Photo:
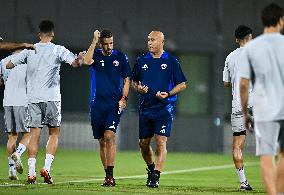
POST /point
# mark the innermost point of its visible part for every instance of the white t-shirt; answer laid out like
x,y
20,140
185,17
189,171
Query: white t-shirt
x,y
43,66
231,74
264,65
15,93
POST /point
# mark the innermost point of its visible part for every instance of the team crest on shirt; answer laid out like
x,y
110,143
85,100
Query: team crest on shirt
x,y
115,63
164,66
145,66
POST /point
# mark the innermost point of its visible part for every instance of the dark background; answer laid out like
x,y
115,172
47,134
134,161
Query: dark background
x,y
200,33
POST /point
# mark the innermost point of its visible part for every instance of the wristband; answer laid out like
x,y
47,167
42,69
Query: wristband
x,y
124,97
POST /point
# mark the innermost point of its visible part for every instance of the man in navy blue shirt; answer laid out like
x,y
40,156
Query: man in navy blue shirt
x,y
110,73
157,77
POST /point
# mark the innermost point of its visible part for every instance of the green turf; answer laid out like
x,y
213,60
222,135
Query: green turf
x,y
70,166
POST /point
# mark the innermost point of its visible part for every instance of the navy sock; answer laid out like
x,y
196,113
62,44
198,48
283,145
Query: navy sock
x,y
109,171
151,167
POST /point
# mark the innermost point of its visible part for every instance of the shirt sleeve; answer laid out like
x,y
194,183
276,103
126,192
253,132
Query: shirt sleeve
x,y
178,76
245,65
135,72
64,55
1,70
20,58
126,70
226,72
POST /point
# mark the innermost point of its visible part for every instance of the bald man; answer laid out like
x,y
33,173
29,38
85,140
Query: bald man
x,y
157,78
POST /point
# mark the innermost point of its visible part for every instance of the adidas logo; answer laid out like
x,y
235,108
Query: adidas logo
x,y
145,66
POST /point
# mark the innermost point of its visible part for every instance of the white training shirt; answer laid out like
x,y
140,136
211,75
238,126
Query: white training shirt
x,y
231,74
15,93
264,65
43,66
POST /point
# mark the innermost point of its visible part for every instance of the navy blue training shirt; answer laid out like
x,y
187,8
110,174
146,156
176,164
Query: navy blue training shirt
x,y
107,74
159,74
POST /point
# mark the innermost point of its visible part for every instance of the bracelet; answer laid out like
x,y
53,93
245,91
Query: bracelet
x,y
124,97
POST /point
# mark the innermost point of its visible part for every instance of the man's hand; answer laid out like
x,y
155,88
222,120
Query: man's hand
x,y
248,121
96,37
162,95
29,46
81,57
122,104
142,89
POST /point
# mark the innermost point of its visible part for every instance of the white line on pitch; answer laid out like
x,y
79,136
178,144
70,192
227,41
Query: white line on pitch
x,y
200,169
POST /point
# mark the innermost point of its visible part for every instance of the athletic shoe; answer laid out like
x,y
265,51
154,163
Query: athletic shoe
x,y
109,181
12,173
13,176
31,180
149,173
245,186
18,163
47,177
154,181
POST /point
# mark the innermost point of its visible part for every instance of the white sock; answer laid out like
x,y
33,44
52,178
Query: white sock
x,y
11,164
21,149
48,161
241,174
32,164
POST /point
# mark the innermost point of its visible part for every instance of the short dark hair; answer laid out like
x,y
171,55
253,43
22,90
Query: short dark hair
x,y
242,31
105,34
271,14
46,26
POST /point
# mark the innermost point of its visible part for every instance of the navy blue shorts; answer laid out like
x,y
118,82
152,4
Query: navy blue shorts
x,y
104,118
156,122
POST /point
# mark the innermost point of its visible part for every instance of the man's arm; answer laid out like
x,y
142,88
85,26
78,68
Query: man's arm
x,y
19,59
10,65
227,84
15,46
178,88
125,90
138,87
88,59
244,92
79,61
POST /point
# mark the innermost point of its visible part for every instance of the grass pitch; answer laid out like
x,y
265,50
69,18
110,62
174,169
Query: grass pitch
x,y
80,172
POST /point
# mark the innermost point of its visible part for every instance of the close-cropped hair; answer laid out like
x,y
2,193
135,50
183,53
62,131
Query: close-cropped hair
x,y
242,31
105,34
271,15
46,26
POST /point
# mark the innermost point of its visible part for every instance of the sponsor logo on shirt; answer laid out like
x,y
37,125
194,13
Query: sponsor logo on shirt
x,y
112,126
145,66
163,130
164,66
115,63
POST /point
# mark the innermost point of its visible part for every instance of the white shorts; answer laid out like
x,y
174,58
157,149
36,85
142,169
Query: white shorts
x,y
237,121
15,119
269,136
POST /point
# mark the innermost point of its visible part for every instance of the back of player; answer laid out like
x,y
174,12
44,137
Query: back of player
x,y
243,35
264,65
43,90
15,110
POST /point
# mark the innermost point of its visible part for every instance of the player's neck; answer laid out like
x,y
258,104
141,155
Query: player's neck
x,y
157,54
271,29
